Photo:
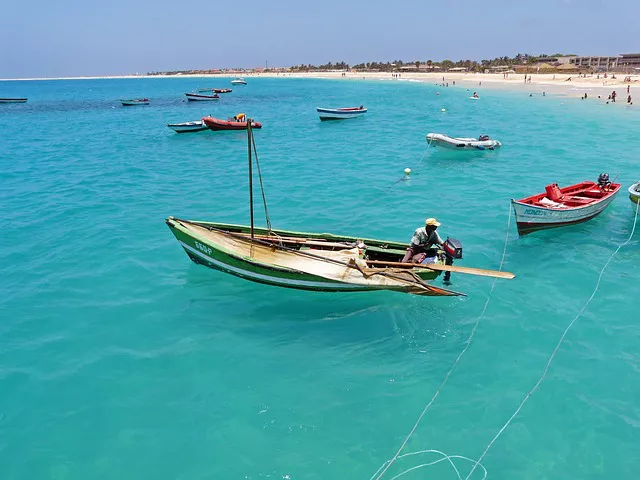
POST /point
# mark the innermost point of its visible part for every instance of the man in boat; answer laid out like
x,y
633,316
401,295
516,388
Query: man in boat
x,y
423,239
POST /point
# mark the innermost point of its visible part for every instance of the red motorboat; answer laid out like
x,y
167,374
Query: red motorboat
x,y
218,124
557,207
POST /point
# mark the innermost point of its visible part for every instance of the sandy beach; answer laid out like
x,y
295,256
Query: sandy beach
x,y
565,84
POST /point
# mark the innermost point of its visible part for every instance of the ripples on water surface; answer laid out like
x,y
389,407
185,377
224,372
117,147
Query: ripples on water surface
x,y
119,358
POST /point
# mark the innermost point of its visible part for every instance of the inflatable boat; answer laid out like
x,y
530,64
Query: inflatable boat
x,y
218,124
483,142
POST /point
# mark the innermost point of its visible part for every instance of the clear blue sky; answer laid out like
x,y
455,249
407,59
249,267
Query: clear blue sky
x,y
41,38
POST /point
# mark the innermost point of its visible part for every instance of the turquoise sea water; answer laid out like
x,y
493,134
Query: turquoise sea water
x,y
119,358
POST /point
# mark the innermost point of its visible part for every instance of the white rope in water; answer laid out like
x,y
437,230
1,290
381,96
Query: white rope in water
x,y
444,457
390,462
555,350
425,153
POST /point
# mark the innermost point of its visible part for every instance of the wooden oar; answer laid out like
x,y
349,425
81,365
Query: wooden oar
x,y
446,268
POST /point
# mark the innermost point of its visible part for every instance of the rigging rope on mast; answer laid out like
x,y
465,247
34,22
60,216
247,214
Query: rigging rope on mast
x,y
264,198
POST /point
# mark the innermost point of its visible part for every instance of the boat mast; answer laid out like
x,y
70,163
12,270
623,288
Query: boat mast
x,y
249,134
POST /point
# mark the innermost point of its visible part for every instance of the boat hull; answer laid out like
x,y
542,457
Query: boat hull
x,y
202,251
13,100
634,195
188,127
440,140
194,97
217,124
133,103
530,218
340,113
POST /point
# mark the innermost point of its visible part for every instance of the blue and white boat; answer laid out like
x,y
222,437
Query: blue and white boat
x,y
340,113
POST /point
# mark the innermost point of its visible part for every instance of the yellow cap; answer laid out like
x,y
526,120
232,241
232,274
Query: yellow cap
x,y
432,222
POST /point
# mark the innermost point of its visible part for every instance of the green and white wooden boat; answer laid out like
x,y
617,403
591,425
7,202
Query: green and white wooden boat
x,y
309,261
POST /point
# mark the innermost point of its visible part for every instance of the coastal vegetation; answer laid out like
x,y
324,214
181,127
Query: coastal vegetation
x,y
521,59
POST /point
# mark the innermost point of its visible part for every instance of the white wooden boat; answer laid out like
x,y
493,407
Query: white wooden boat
x,y
238,81
195,126
197,97
634,194
340,113
134,101
557,207
483,142
13,100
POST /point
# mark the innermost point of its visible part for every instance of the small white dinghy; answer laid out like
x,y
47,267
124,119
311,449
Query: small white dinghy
x,y
634,194
483,142
195,126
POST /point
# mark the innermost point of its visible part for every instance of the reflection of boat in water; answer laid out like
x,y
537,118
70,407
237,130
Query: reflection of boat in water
x,y
557,207
634,194
219,124
309,261
483,142
195,126
196,97
13,100
340,113
134,101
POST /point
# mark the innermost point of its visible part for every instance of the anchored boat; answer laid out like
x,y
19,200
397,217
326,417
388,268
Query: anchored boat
x,y
557,207
634,194
195,126
214,90
483,142
309,261
13,100
134,101
219,124
196,97
340,113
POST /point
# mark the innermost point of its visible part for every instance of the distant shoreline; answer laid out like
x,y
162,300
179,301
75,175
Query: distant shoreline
x,y
558,83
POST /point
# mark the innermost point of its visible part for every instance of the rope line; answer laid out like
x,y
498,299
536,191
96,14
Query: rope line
x,y
555,350
264,198
444,457
446,378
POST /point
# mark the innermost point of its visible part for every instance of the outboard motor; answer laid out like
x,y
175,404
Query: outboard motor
x,y
482,138
603,180
452,250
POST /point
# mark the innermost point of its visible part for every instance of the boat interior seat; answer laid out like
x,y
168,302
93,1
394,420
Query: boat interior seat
x,y
391,251
580,200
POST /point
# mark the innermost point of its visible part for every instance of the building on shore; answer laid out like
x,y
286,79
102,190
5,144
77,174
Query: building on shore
x,y
599,64
629,61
